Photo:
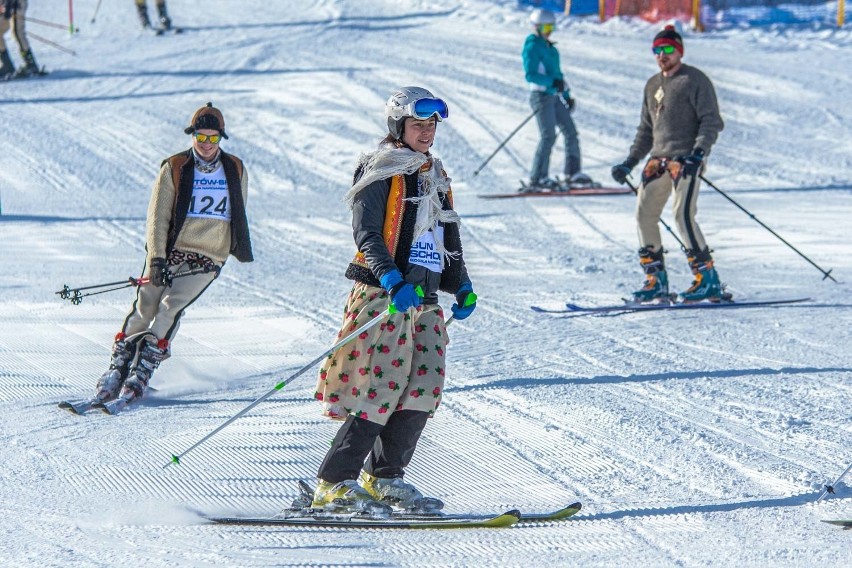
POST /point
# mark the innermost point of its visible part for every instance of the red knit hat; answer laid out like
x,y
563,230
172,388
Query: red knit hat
x,y
669,36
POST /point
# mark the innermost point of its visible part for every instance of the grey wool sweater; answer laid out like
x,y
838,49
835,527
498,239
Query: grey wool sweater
x,y
679,114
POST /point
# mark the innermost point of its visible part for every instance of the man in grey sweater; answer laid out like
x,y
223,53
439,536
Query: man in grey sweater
x,y
679,123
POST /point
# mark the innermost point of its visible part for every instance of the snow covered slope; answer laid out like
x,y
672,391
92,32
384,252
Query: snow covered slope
x,y
694,438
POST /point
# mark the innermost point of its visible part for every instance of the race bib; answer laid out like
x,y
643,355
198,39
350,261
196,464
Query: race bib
x,y
210,198
425,253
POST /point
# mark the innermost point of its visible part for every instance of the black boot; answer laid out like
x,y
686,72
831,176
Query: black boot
x,y
110,383
150,357
143,15
165,21
7,68
30,66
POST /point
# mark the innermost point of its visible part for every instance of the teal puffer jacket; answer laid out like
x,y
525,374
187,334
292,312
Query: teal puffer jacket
x,y
541,63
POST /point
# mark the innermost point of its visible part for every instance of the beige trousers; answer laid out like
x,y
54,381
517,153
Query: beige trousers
x,y
158,310
659,178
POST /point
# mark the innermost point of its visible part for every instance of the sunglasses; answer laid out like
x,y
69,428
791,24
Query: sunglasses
x,y
667,49
546,28
427,108
212,138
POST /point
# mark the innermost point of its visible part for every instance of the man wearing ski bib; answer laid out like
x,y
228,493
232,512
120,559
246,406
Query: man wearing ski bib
x,y
196,220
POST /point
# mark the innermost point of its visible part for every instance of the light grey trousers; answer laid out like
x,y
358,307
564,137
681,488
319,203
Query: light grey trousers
x,y
552,114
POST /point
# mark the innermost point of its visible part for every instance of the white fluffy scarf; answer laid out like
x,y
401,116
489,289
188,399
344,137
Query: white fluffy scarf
x,y
389,161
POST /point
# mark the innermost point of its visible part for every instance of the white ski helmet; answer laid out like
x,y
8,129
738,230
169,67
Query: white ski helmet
x,y
541,16
415,102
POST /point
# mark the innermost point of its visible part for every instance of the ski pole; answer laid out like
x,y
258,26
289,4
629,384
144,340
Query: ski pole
x,y
744,210
503,143
830,488
390,310
73,294
51,43
71,17
48,24
97,8
666,225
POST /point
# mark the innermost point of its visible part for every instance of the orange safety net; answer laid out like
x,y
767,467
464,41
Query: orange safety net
x,y
650,10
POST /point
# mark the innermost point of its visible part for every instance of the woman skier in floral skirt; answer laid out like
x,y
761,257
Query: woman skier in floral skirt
x,y
388,381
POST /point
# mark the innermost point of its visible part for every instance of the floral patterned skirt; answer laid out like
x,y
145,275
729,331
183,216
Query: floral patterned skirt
x,y
397,364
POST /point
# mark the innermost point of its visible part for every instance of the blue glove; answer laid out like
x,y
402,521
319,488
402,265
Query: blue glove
x,y
464,306
692,163
622,170
403,294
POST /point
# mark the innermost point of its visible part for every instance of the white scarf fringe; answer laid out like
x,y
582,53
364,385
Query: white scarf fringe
x,y
388,161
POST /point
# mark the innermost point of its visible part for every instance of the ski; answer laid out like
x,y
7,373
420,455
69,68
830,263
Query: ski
x,y
78,406
846,523
112,407
34,75
557,515
569,192
317,518
632,308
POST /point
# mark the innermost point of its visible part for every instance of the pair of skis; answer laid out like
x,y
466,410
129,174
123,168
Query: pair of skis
x,y
300,513
570,191
402,520
111,407
159,31
629,307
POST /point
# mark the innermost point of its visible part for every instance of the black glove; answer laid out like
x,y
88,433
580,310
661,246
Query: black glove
x,y
559,85
692,163
569,102
159,275
622,170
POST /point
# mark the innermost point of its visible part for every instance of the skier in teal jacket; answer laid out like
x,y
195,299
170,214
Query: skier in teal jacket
x,y
551,97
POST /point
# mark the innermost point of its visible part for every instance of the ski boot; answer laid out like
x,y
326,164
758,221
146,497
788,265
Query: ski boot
x,y
706,285
347,497
542,184
150,357
110,383
7,68
30,67
397,493
165,21
655,289
579,179
142,8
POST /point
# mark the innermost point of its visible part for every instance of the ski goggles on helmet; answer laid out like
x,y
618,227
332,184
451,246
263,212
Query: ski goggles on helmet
x,y
668,49
546,28
422,109
212,138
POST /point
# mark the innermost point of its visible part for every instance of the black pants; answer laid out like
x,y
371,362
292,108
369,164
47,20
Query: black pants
x,y
387,449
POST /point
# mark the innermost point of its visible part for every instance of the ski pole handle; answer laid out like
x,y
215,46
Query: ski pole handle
x,y
468,301
393,309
